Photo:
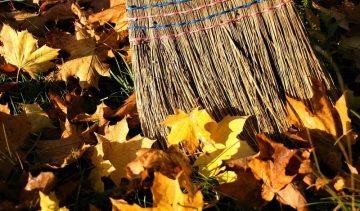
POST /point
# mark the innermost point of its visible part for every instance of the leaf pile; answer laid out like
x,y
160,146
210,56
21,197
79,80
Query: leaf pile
x,y
70,138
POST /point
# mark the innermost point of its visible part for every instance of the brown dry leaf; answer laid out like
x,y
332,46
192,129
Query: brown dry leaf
x,y
129,110
8,69
323,116
247,193
270,166
37,117
170,163
98,116
59,153
86,61
110,149
291,196
43,182
167,195
14,131
58,12
115,14
70,108
21,49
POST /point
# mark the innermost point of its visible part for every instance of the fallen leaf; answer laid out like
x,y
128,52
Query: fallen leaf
x,y
323,117
13,131
226,146
169,163
59,153
167,195
20,49
128,109
189,128
37,117
339,184
43,181
115,14
247,193
271,165
290,195
87,56
110,149
50,202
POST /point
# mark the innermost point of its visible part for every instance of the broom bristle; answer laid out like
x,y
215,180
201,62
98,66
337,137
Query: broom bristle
x,y
236,57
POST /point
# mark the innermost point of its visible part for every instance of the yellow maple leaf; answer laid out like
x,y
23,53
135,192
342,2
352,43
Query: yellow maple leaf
x,y
110,147
189,128
37,117
227,146
167,195
50,202
20,49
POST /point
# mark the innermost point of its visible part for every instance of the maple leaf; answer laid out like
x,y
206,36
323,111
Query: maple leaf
x,y
87,56
226,146
37,117
189,128
20,49
271,167
167,195
110,149
50,202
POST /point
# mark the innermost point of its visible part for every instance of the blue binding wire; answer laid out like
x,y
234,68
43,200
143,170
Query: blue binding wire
x,y
134,7
197,20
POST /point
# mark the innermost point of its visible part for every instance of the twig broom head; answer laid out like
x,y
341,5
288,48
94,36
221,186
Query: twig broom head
x,y
228,56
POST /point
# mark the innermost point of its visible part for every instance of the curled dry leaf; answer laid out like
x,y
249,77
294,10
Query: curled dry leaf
x,y
43,181
167,195
20,49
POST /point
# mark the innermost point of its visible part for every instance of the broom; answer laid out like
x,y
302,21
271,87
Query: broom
x,y
237,57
